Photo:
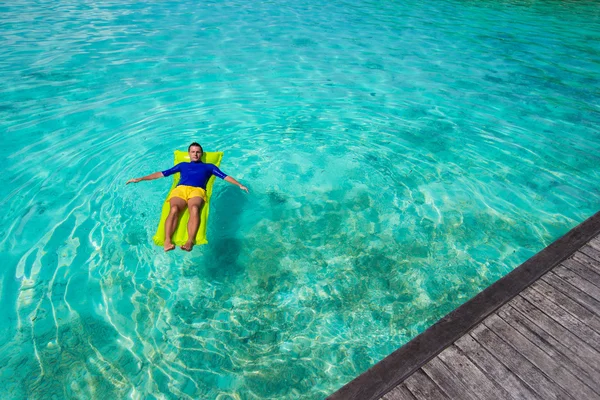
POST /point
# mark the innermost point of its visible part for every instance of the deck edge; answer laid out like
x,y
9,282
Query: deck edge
x,y
399,365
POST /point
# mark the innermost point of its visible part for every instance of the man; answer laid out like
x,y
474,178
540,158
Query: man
x,y
190,192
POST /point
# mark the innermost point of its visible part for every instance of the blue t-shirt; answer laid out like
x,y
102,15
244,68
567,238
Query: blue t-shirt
x,y
194,174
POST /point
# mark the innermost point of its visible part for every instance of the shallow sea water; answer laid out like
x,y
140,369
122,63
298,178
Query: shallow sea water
x,y
401,157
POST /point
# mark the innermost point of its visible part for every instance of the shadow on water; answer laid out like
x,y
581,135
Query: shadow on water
x,y
224,247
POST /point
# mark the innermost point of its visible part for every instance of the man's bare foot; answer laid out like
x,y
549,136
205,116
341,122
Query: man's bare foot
x,y
188,246
169,246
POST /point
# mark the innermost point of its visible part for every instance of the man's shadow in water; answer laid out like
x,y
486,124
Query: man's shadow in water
x,y
223,247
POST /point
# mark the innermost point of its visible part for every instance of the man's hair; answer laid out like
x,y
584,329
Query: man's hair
x,y
195,145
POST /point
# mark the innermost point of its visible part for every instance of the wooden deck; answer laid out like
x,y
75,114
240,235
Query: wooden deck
x,y
534,334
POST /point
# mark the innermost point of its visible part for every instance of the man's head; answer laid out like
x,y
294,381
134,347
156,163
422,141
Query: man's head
x,y
195,151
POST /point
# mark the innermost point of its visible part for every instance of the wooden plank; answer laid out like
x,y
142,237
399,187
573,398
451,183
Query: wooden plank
x,y
423,388
446,380
586,260
518,364
557,331
558,373
595,242
566,303
577,281
400,392
583,271
559,303
563,317
471,376
553,348
569,290
591,252
495,369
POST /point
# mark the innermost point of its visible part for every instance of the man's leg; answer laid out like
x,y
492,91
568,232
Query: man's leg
x,y
177,207
194,206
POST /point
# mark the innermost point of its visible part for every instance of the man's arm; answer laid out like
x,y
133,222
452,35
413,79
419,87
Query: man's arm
x,y
232,180
156,175
220,174
150,177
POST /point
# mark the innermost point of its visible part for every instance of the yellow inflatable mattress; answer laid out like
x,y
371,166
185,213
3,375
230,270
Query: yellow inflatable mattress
x,y
180,236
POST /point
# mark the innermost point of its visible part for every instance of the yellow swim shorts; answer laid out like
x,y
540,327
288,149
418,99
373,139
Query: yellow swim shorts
x,y
187,192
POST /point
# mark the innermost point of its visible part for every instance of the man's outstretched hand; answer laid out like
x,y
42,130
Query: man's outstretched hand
x,y
134,180
244,188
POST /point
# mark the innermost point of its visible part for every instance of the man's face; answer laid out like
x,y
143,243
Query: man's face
x,y
195,153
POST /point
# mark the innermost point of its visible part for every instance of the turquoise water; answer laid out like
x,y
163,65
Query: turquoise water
x,y
401,157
